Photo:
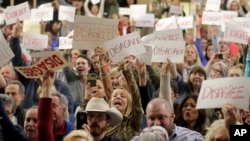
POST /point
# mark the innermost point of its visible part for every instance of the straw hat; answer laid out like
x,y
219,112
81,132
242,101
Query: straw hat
x,y
100,105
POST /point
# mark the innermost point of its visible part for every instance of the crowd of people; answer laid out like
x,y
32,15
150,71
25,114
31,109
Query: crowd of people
x,y
129,100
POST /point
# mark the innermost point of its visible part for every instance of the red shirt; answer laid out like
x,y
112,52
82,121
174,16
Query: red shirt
x,y
60,133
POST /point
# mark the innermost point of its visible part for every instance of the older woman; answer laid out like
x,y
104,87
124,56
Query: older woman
x,y
188,116
78,135
217,131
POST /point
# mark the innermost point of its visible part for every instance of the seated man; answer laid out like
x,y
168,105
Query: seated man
x,y
160,112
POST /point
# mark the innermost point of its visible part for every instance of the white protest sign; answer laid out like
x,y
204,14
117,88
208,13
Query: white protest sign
x,y
241,21
42,14
124,11
175,9
66,13
148,40
236,34
214,93
20,11
44,5
169,35
166,23
71,34
53,62
144,20
90,32
228,16
120,47
6,53
65,43
212,18
31,27
2,18
213,5
185,22
196,2
95,1
174,50
35,41
137,9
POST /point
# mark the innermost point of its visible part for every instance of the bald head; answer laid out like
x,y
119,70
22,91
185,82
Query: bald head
x,y
160,101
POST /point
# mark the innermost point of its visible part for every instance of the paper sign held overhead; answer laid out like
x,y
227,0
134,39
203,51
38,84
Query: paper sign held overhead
x,y
137,9
228,16
169,35
53,62
124,11
45,5
6,53
174,50
35,41
166,24
185,22
144,20
91,32
212,18
175,9
95,1
236,34
148,40
66,13
20,11
213,5
65,43
241,21
121,47
214,93
42,14
31,26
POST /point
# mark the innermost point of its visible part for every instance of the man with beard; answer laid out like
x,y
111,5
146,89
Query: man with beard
x,y
99,117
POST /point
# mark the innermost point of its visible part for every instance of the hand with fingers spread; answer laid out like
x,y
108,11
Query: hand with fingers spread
x,y
231,114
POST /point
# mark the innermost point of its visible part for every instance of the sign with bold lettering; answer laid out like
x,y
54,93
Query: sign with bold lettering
x,y
31,27
67,13
42,14
241,21
213,5
90,32
212,18
65,43
214,93
236,34
5,52
169,35
174,50
144,20
121,47
35,41
228,16
148,40
20,11
53,62
175,9
185,22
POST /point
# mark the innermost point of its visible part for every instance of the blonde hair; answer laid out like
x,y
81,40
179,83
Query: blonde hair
x,y
198,61
78,134
215,126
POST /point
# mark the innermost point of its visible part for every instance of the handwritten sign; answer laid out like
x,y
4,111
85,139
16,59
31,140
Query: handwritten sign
x,y
144,20
123,46
166,24
137,9
175,9
66,13
148,40
65,43
215,93
20,11
213,5
90,32
241,21
124,11
169,35
228,16
31,26
185,22
236,34
53,62
6,53
42,14
35,41
212,18
174,50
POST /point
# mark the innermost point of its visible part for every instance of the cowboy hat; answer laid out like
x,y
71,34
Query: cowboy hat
x,y
100,105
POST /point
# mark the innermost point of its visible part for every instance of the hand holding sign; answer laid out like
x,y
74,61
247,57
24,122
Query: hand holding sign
x,y
47,83
231,114
16,30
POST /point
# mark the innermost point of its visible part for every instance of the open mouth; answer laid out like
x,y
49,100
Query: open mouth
x,y
117,103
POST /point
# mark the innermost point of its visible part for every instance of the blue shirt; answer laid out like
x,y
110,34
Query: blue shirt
x,y
185,134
